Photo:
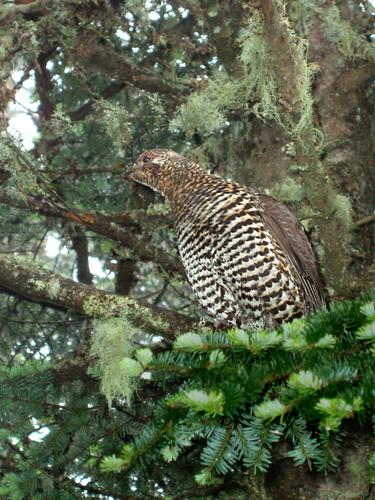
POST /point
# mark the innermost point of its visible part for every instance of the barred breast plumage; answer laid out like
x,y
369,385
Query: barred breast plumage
x,y
246,256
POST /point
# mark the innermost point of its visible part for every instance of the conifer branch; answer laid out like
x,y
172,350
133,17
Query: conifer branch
x,y
241,421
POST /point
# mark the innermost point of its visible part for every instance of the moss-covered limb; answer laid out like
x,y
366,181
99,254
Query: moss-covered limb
x,y
36,284
352,41
100,224
275,75
9,11
285,66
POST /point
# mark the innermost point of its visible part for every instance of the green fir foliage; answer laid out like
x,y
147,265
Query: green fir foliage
x,y
241,392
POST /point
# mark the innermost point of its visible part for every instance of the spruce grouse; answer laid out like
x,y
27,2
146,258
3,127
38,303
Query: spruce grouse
x,y
246,255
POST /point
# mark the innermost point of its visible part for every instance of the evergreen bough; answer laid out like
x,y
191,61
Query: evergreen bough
x,y
239,392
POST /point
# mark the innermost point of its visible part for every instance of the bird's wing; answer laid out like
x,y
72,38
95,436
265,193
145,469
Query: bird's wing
x,y
292,239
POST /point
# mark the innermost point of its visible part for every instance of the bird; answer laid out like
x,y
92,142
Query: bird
x,y
245,254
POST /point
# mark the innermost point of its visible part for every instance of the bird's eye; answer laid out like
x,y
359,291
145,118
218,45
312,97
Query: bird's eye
x,y
146,159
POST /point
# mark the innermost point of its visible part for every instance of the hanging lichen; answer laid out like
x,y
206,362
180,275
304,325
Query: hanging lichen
x,y
112,339
116,122
351,44
111,342
206,110
261,79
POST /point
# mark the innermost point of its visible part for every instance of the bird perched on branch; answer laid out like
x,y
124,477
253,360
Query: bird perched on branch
x,y
246,255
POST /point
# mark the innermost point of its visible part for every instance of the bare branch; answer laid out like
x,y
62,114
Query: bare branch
x,y
80,246
76,172
100,224
126,276
365,220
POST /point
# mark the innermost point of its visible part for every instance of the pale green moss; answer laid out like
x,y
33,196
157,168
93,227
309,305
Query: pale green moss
x,y
54,288
206,110
297,169
112,340
107,306
288,190
22,166
257,58
158,209
60,122
123,252
13,193
157,322
38,284
290,149
342,209
199,113
351,44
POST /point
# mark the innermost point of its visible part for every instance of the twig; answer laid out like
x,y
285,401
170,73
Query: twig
x,y
365,220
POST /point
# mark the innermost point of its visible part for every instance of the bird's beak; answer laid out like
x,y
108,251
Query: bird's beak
x,y
128,173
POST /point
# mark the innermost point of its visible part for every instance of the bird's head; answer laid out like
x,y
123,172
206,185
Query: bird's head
x,y
155,168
